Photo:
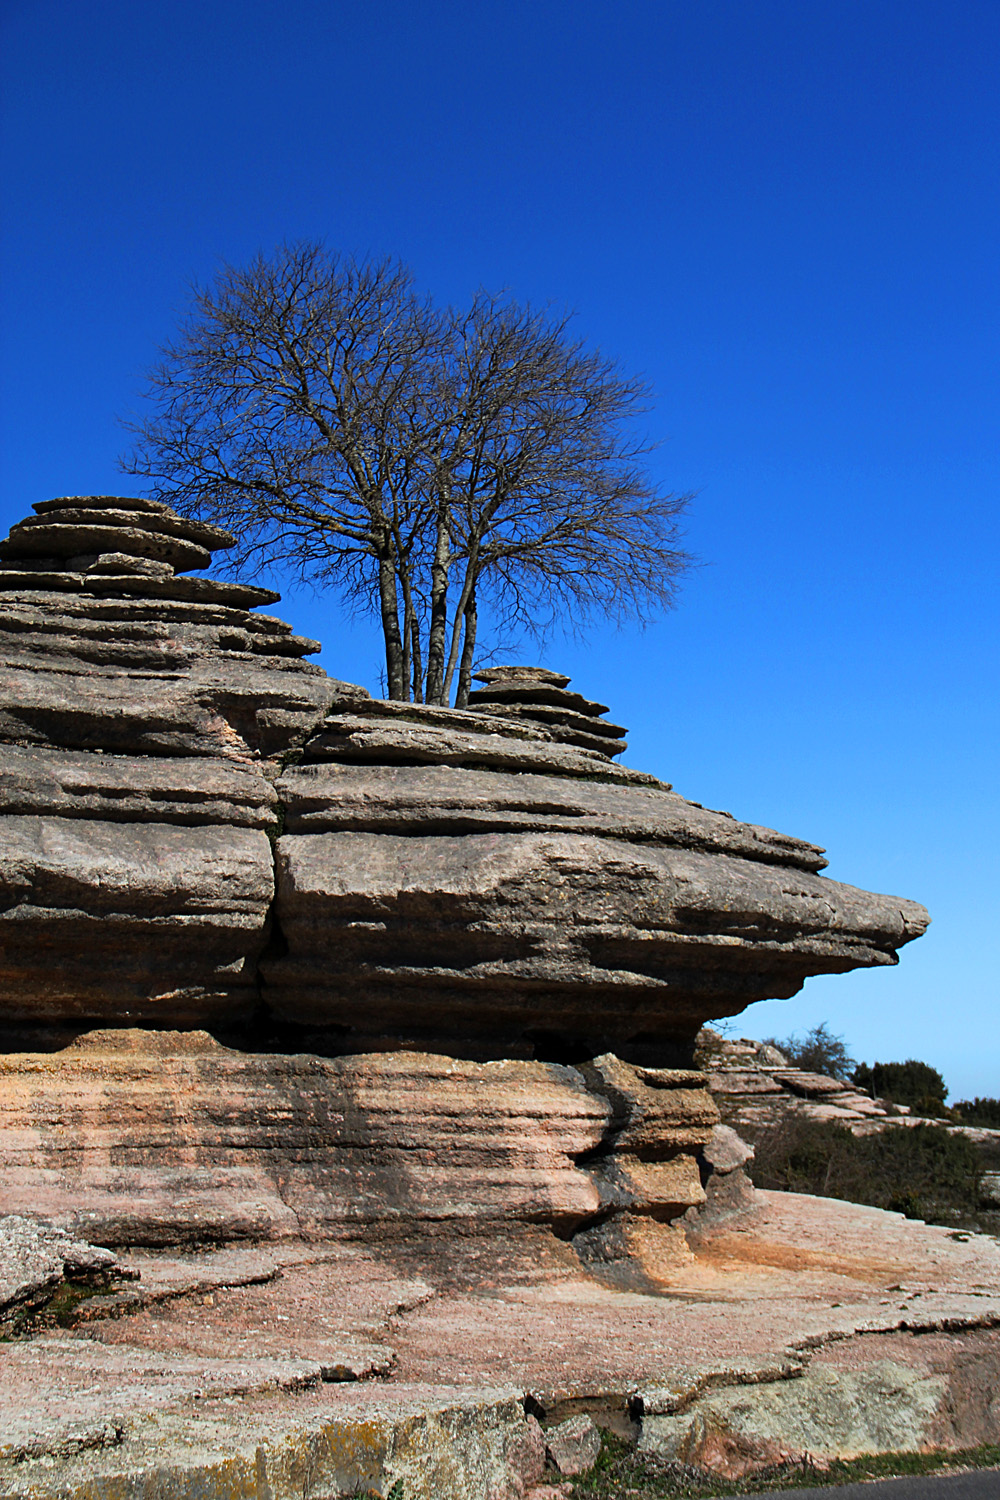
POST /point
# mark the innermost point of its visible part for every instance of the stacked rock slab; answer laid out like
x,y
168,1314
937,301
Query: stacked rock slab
x,y
475,881
138,713
534,694
429,966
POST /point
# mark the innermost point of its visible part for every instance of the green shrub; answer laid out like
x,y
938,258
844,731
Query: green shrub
x,y
982,1112
922,1171
914,1083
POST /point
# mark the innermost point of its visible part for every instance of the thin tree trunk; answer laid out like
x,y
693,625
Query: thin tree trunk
x,y
468,652
389,610
468,590
418,674
407,637
435,692
411,637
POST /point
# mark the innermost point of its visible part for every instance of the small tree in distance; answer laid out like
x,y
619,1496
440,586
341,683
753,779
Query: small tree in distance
x,y
912,1082
819,1051
422,462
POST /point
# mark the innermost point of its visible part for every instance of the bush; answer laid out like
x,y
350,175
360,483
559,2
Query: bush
x,y
922,1171
983,1112
914,1083
819,1051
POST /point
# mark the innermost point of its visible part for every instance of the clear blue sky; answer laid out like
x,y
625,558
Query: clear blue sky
x,y
784,212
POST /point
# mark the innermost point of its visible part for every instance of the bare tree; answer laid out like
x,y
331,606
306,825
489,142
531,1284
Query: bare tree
x,y
550,513
422,463
289,408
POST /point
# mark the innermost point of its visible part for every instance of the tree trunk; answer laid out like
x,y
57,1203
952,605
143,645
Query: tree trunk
x,y
389,610
435,691
407,638
468,652
418,671
468,592
411,638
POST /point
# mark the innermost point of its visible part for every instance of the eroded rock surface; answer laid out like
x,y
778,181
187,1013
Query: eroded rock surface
x,y
138,712
216,1145
453,960
477,880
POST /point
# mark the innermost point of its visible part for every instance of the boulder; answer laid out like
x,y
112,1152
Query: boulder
x,y
573,1446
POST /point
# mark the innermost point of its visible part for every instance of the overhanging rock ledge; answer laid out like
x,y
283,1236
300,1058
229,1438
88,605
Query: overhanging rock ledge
x,y
309,962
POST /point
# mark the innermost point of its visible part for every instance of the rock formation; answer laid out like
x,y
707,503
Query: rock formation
x,y
475,879
452,962
137,710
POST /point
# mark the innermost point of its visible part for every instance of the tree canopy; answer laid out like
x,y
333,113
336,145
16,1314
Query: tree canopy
x,y
423,462
819,1051
912,1082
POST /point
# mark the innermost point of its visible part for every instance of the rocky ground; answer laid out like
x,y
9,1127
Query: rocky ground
x,y
294,1369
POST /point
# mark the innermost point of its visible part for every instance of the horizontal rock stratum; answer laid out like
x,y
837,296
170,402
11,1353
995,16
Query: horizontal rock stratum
x,y
202,831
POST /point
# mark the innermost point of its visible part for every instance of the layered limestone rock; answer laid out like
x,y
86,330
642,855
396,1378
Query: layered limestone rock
x,y
138,713
212,1144
454,961
476,879
532,693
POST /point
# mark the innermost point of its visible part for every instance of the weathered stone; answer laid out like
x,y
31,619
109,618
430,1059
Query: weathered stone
x,y
66,540
39,780
130,922
242,1433
540,693
525,1453
885,1408
120,562
480,884
324,1147
108,908
725,1151
332,797
567,728
121,1403
573,1446
112,510
522,693
630,946
35,1261
518,673
509,746
102,502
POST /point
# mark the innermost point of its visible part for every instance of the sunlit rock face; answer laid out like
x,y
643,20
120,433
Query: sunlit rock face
x,y
493,880
138,710
433,966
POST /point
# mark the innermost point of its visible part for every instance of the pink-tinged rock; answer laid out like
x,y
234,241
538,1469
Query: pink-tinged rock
x,y
524,1451
574,1446
137,1137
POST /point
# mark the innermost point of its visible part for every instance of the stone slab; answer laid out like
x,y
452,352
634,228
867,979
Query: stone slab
x,y
763,1340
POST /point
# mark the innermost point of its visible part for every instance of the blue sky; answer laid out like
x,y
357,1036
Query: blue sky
x,y
784,213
